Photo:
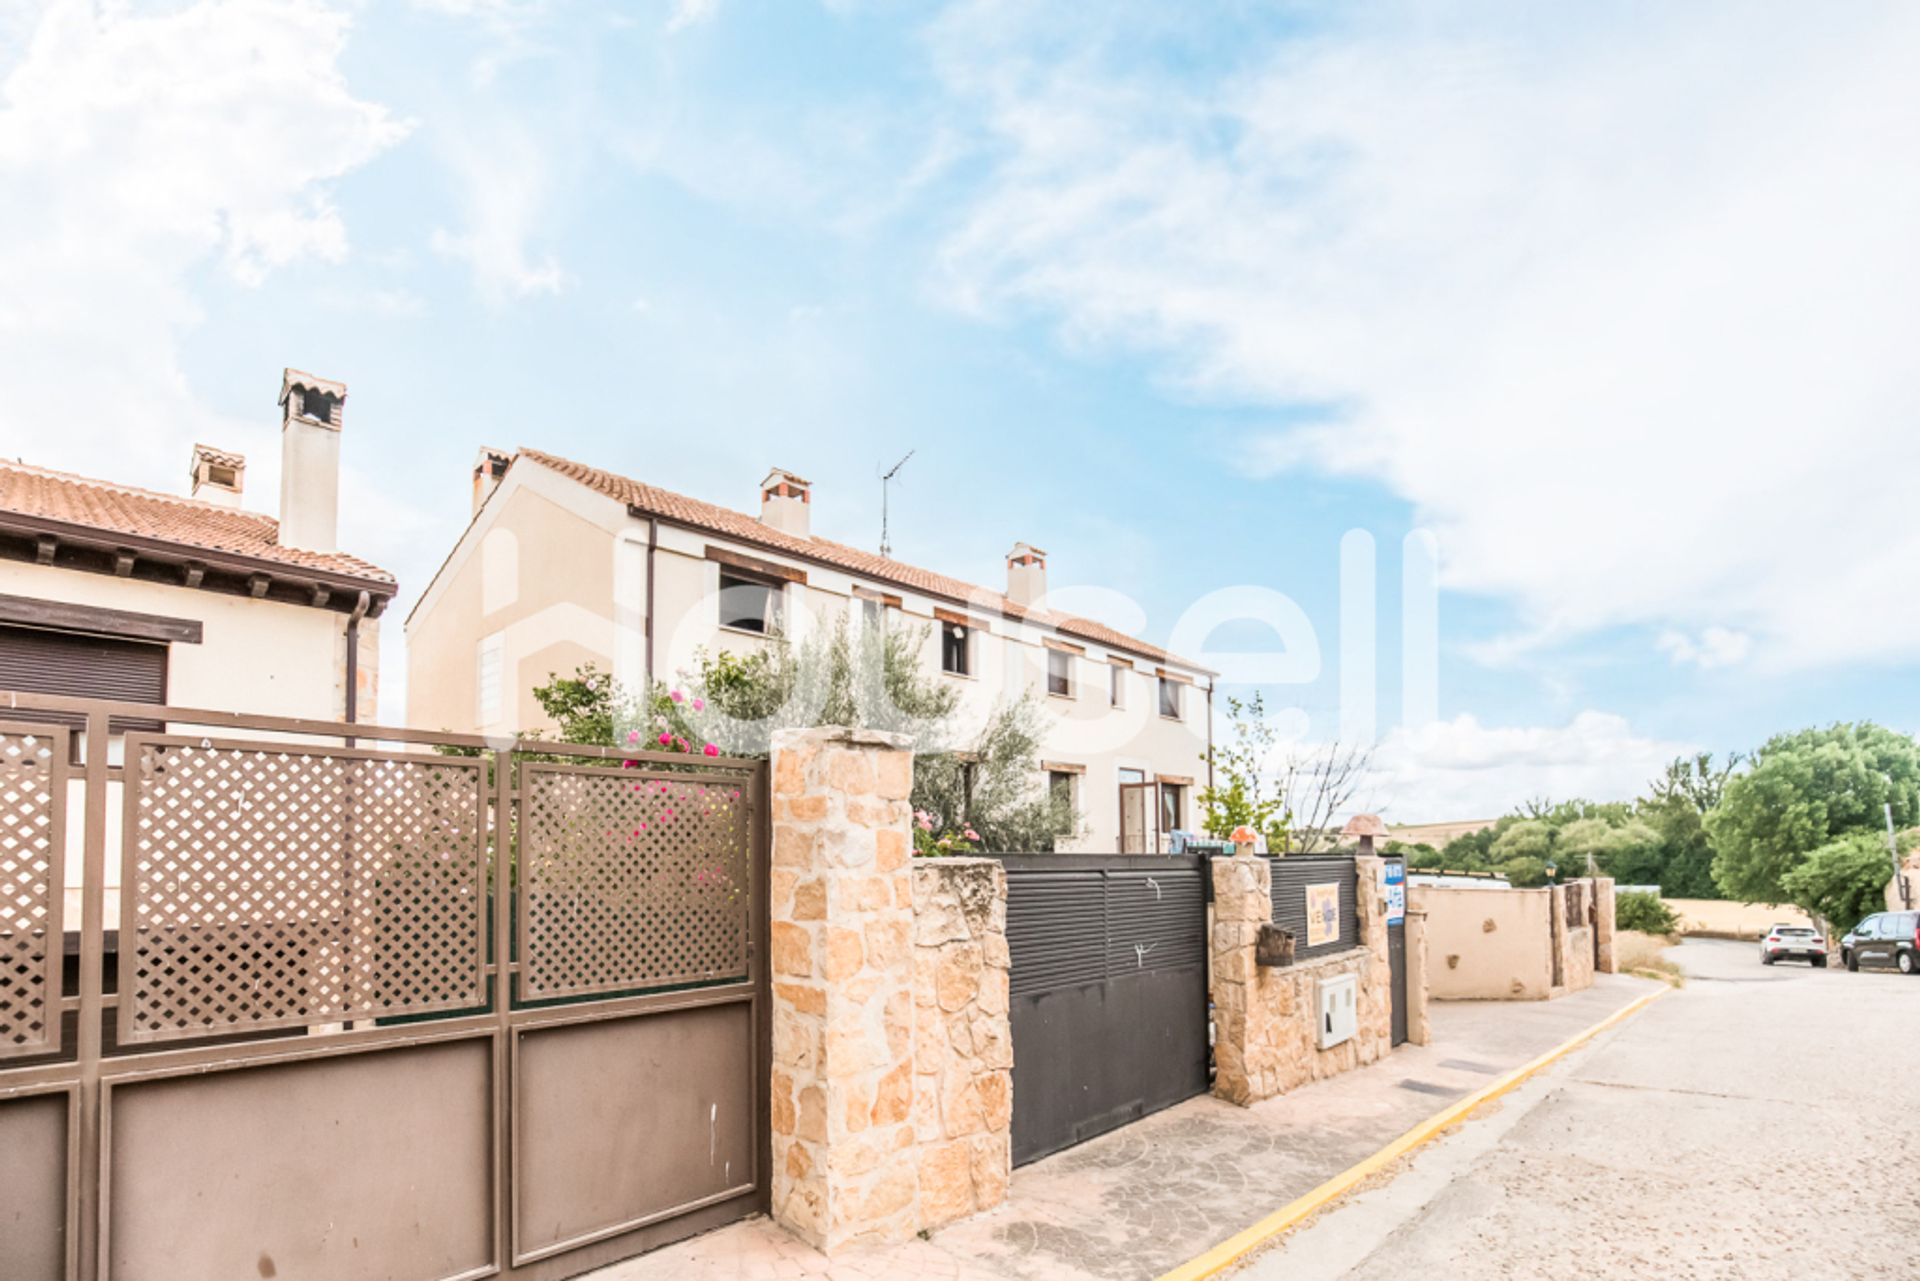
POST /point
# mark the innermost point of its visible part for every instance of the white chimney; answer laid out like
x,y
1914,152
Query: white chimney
x,y
489,469
784,502
1026,574
310,413
219,477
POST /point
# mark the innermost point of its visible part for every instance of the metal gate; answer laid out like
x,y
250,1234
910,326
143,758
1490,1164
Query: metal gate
x,y
1109,987
324,1026
1396,876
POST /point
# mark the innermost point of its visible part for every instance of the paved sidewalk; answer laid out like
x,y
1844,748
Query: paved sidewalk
x,y
1132,1204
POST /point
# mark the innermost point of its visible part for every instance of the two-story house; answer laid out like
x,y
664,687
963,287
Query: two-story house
x,y
111,591
565,564
115,592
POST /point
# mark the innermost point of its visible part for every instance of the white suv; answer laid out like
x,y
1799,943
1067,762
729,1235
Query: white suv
x,y
1794,942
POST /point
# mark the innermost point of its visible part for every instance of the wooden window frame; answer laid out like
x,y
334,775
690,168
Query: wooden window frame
x,y
776,588
1065,658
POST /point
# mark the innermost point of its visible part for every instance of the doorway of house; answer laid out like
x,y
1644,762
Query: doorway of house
x,y
1138,810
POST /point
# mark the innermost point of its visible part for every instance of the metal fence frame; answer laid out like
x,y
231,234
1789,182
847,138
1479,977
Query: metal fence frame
x,y
86,1072
1291,873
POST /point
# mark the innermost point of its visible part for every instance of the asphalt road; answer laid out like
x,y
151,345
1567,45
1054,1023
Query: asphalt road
x,y
1759,1123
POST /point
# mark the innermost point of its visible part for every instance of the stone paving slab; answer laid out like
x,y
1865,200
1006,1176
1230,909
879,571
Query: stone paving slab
x,y
1132,1204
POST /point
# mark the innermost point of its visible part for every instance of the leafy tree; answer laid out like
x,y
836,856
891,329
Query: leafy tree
x,y
1473,852
1842,881
1529,838
1805,790
989,787
1290,797
1627,850
1676,807
1523,871
1419,854
1244,793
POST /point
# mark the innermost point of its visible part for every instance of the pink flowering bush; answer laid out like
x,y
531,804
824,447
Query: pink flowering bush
x,y
933,840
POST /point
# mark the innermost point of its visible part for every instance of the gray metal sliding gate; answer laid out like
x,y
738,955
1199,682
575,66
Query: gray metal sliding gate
x,y
1109,991
355,1007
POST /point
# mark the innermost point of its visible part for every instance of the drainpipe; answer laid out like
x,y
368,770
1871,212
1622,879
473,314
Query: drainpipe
x,y
653,542
353,658
1210,736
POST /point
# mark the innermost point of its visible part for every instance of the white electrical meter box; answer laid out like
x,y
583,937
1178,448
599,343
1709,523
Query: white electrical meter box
x,y
1339,1009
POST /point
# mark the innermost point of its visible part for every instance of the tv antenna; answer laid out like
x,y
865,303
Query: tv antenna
x,y
886,480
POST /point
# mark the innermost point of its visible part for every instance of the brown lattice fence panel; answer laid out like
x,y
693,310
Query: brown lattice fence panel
x,y
33,800
631,880
269,886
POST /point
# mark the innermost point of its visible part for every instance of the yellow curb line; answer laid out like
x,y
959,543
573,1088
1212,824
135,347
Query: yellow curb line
x,y
1241,1244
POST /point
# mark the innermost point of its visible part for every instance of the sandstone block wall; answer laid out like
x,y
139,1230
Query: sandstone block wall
x,y
1266,1019
1419,1025
891,1085
963,1040
1603,925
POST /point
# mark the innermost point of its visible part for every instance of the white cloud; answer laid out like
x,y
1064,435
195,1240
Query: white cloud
x,y
689,13
506,182
1461,769
1619,299
136,149
1713,647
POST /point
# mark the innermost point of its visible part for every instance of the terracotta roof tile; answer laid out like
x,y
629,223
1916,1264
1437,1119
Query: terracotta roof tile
x,y
187,522
724,521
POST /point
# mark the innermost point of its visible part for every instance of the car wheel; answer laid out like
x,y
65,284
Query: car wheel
x,y
1819,962
1765,959
1906,963
1852,962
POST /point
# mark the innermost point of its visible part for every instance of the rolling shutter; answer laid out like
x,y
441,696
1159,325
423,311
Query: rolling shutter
x,y
36,661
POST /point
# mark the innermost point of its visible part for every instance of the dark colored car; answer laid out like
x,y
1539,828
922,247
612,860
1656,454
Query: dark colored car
x,y
1886,939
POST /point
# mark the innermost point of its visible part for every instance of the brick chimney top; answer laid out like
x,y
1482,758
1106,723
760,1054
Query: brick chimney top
x,y
1026,574
785,500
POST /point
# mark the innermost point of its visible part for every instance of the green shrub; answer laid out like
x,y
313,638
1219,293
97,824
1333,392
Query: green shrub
x,y
1647,913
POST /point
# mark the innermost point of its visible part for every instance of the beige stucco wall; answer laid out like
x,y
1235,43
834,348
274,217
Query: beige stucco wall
x,y
1717,918
536,571
1910,870
1486,944
262,656
559,574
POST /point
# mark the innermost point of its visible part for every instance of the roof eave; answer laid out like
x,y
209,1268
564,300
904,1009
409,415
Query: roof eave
x,y
170,551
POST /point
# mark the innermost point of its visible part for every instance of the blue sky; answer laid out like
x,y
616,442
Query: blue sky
x,y
1615,301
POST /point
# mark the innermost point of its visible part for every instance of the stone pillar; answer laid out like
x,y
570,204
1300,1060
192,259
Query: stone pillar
x,y
892,1084
1245,1055
963,1037
1266,1019
1419,1027
1603,924
841,899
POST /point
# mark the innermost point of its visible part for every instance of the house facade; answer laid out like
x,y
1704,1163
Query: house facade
x,y
565,564
109,591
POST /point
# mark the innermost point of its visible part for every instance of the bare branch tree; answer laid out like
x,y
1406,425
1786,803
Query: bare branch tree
x,y
1320,785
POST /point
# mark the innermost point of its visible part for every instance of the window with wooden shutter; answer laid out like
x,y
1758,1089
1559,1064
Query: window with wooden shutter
x,y
37,661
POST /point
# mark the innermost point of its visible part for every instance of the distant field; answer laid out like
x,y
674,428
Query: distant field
x,y
1716,918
